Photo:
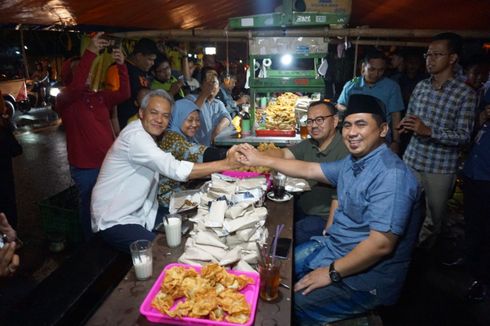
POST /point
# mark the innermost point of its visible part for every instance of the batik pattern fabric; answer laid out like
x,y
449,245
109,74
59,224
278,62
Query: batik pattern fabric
x,y
182,149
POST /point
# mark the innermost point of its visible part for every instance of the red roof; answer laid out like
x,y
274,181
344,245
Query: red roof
x,y
181,14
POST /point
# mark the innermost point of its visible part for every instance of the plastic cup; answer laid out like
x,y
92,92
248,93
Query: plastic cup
x,y
270,278
141,253
173,229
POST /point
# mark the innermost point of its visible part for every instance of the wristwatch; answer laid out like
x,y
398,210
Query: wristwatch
x,y
334,275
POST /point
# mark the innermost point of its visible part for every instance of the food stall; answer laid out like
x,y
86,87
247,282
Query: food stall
x,y
283,80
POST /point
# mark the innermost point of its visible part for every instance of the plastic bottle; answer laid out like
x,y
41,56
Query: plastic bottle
x,y
245,121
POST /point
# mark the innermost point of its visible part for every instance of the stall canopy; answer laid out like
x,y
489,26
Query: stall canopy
x,y
182,14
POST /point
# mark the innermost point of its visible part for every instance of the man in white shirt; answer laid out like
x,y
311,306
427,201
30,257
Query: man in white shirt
x,y
124,205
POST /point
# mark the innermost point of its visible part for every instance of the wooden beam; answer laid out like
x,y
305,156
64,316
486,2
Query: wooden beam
x,y
314,32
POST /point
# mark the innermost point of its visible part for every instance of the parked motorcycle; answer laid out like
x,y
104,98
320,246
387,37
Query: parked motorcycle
x,y
53,91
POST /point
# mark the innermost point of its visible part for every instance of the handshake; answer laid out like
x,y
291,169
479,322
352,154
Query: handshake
x,y
245,155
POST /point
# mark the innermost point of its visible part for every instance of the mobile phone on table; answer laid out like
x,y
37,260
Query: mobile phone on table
x,y
283,247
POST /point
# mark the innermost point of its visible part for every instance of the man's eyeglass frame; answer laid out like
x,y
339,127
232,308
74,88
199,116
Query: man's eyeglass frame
x,y
319,120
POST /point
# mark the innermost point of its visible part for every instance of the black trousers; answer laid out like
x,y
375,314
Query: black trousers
x,y
477,227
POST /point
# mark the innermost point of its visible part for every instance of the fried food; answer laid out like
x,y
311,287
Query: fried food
x,y
162,302
262,147
211,294
279,114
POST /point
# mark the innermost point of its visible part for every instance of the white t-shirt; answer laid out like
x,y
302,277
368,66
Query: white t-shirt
x,y
125,192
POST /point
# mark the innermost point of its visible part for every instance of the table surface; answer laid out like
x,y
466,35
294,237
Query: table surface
x,y
122,305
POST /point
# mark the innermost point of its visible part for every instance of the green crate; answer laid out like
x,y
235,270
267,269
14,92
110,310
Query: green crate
x,y
60,215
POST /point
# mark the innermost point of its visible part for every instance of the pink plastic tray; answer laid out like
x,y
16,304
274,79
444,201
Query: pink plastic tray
x,y
246,174
251,293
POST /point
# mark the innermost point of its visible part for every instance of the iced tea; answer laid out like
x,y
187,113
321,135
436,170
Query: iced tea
x,y
269,279
303,132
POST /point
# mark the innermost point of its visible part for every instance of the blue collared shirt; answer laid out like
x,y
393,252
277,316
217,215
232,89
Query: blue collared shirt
x,y
376,192
211,113
230,104
385,89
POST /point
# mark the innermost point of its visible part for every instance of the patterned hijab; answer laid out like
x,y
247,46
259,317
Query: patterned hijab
x,y
181,111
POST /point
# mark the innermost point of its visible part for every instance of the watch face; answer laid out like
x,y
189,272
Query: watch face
x,y
335,276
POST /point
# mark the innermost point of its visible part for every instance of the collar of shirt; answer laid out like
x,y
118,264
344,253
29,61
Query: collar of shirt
x,y
315,145
443,85
359,164
363,83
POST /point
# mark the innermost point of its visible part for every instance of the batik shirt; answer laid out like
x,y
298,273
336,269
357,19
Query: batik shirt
x,y
183,150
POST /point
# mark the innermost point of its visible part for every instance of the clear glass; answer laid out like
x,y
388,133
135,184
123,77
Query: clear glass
x,y
279,185
173,229
270,278
142,255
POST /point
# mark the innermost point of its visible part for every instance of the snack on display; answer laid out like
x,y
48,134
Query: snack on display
x,y
211,294
279,114
262,147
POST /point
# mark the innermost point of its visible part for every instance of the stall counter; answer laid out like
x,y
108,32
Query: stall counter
x,y
230,140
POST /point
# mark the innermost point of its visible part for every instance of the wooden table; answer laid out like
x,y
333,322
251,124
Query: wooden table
x,y
122,306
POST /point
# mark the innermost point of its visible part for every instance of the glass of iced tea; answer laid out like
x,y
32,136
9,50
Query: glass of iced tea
x,y
303,131
279,185
270,277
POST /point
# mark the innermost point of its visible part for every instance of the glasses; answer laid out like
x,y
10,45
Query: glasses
x,y
435,55
319,120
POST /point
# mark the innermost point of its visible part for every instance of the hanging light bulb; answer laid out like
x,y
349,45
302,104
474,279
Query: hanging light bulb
x,y
286,59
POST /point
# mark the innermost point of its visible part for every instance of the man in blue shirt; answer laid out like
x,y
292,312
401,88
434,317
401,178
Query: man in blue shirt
x,y
373,82
214,116
228,83
363,260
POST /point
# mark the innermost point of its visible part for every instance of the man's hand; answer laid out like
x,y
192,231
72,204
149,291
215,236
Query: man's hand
x,y
484,115
174,89
207,88
250,156
118,56
97,43
9,261
316,279
233,157
414,124
6,229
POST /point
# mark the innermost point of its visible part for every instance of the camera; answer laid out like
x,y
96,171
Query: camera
x,y
114,42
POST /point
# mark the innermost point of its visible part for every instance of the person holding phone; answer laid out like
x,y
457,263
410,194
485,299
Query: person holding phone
x,y
363,259
214,116
86,118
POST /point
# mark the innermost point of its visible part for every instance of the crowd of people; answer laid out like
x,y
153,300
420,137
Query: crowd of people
x,y
381,163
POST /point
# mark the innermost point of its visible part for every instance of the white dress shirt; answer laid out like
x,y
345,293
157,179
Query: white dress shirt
x,y
125,192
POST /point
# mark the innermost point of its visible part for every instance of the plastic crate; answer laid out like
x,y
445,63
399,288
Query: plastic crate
x,y
60,215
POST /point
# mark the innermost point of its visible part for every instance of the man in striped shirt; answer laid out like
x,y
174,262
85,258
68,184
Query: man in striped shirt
x,y
440,117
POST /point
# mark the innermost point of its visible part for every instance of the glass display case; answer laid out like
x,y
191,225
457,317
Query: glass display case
x,y
284,72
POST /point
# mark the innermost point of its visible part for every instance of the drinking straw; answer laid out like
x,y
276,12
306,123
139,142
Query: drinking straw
x,y
266,254
274,245
261,254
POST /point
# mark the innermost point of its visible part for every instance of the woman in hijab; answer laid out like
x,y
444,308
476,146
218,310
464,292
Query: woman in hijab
x,y
179,140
